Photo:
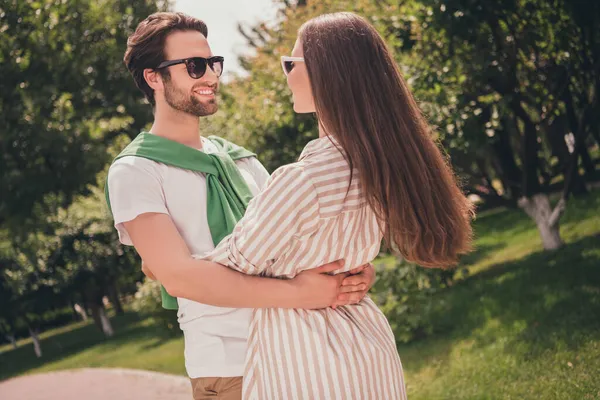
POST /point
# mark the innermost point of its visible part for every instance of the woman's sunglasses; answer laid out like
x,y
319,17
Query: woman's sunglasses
x,y
288,63
196,66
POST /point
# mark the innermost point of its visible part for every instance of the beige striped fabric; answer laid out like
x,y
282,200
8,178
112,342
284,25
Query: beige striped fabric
x,y
305,217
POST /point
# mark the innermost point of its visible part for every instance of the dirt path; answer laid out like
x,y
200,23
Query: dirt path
x,y
97,384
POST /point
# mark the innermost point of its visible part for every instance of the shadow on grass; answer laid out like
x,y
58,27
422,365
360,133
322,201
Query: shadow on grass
x,y
540,303
160,337
127,328
480,253
581,208
508,223
505,222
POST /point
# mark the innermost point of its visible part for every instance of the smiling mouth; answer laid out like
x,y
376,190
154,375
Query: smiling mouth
x,y
205,92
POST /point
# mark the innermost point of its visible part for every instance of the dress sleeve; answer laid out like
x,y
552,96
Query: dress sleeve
x,y
287,207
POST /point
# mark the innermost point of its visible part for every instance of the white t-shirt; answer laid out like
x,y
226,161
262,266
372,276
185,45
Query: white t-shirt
x,y
215,337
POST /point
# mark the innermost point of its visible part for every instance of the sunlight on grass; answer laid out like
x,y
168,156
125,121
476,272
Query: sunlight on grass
x,y
154,354
47,334
522,324
512,235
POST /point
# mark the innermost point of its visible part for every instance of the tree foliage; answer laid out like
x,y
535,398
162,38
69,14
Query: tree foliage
x,y
510,89
67,101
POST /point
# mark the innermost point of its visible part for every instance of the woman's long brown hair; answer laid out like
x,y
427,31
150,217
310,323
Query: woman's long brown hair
x,y
362,100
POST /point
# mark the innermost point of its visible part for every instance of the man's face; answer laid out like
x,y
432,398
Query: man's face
x,y
183,93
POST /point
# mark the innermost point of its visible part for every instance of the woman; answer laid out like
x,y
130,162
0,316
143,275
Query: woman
x,y
374,173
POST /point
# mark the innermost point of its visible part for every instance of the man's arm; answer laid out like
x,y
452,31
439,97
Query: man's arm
x,y
162,248
138,201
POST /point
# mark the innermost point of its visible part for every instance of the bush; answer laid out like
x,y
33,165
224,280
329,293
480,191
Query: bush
x,y
55,318
147,301
405,293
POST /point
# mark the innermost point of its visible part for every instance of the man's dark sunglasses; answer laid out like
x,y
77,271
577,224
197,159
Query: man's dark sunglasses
x,y
196,66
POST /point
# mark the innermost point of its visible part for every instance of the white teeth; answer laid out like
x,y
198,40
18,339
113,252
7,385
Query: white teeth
x,y
205,92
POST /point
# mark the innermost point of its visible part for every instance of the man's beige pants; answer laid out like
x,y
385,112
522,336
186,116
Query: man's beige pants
x,y
217,388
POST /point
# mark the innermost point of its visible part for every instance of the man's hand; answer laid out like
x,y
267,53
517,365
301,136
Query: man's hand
x,y
147,271
316,288
356,286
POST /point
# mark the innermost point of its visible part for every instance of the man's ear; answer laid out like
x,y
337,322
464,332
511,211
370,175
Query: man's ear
x,y
153,79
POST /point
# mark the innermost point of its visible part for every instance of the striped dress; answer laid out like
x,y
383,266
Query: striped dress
x,y
305,217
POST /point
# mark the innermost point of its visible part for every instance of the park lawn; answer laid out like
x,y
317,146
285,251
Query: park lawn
x,y
523,323
520,324
137,344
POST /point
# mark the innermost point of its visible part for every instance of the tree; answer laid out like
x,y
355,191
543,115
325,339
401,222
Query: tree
x,y
511,88
89,260
65,97
26,295
508,70
256,110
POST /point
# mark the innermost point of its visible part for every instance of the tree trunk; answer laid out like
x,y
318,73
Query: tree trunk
x,y
551,239
80,311
101,319
539,209
73,311
106,325
555,136
113,295
530,161
12,340
36,342
506,166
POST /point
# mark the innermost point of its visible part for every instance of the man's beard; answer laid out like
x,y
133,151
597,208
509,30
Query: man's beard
x,y
188,102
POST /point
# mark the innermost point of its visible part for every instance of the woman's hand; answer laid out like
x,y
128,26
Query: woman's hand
x,y
356,285
317,288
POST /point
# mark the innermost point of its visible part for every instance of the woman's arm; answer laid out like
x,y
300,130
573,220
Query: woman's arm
x,y
287,207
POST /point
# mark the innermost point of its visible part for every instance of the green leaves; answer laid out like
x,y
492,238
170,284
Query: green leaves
x,y
65,96
64,89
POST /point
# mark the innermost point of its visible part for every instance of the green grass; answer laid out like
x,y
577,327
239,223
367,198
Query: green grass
x,y
523,329
522,323
504,236
136,344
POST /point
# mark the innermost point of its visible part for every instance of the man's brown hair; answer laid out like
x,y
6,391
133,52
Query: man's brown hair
x,y
145,47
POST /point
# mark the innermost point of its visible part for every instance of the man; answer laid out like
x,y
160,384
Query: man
x,y
165,204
